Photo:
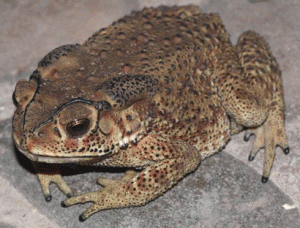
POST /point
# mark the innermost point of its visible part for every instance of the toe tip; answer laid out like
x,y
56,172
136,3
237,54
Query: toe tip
x,y
251,157
82,218
246,138
264,179
286,151
48,198
62,204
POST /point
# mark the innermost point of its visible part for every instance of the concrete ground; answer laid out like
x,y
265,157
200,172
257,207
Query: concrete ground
x,y
224,192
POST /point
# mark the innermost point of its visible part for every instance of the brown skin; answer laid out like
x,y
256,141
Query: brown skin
x,y
159,90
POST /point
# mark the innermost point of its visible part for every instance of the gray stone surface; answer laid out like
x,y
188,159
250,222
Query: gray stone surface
x,y
223,192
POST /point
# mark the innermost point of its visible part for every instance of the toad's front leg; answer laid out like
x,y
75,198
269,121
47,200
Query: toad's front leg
x,y
138,189
47,174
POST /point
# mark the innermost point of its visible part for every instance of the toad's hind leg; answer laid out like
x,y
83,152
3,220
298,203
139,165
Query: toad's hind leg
x,y
262,71
256,99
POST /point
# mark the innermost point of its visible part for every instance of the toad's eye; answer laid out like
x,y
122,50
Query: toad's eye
x,y
78,128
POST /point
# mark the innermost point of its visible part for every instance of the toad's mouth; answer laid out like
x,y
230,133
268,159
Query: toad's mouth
x,y
51,159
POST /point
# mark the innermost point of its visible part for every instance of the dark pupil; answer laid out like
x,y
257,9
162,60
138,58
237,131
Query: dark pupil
x,y
78,128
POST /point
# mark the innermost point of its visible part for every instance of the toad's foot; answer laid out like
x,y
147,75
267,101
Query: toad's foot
x,y
268,136
48,174
104,196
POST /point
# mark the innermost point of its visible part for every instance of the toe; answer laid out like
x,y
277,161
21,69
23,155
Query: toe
x,y
251,157
286,151
264,179
248,135
105,182
48,198
82,218
91,210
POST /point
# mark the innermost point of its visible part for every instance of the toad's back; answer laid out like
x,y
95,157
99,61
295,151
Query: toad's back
x,y
176,47
157,41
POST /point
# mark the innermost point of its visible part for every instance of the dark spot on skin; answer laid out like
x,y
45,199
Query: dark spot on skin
x,y
207,26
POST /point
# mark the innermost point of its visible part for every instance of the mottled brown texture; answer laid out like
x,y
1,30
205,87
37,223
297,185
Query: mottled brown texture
x,y
159,90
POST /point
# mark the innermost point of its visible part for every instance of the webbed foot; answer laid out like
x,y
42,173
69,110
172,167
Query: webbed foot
x,y
269,135
112,196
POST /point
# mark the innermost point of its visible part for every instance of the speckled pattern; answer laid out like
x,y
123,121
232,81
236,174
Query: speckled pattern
x,y
159,90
